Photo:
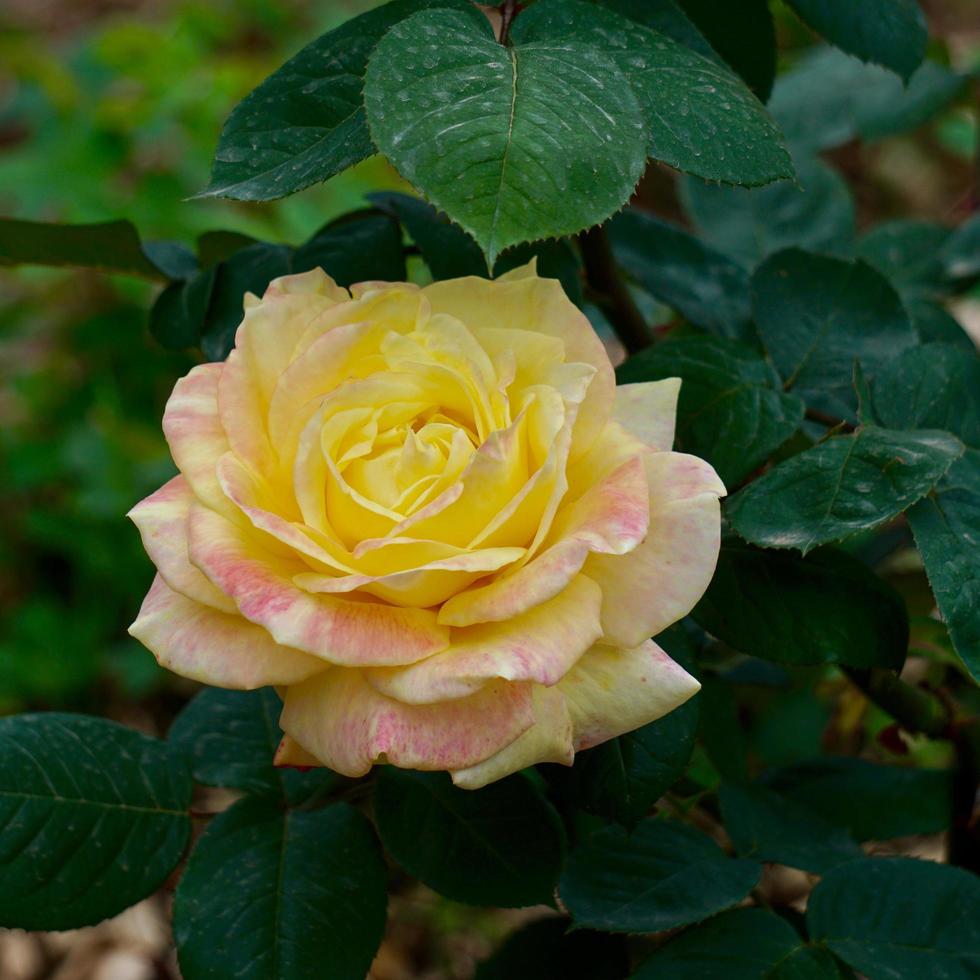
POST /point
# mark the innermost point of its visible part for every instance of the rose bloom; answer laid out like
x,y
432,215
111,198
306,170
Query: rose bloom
x,y
432,521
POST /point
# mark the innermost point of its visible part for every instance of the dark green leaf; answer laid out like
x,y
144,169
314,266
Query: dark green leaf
x,y
231,738
743,34
817,315
249,270
660,876
841,486
825,608
306,122
767,827
721,730
623,778
174,259
357,249
666,17
907,252
109,246
449,252
892,33
900,919
700,117
179,312
501,845
935,324
873,802
559,152
703,285
743,944
960,253
935,386
216,246
275,895
729,411
546,950
748,224
946,526
94,818
830,98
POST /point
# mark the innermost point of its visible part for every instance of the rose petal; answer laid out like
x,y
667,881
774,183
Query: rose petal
x,y
611,691
162,522
663,577
343,721
194,432
541,645
522,301
340,631
213,647
648,410
549,739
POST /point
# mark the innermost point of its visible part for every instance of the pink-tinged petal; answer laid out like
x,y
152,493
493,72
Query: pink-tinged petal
x,y
663,577
194,432
421,587
648,410
522,301
611,691
611,517
341,631
213,647
291,755
344,722
541,646
243,414
314,282
162,522
549,739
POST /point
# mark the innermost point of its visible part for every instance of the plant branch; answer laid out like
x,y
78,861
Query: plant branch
x,y
507,11
822,418
604,277
913,708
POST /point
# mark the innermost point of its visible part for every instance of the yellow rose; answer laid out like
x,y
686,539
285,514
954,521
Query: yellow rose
x,y
430,518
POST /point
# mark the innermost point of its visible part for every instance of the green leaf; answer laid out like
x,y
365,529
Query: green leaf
x,y
907,251
843,485
623,778
700,117
829,98
935,324
900,919
501,845
660,876
767,827
935,386
546,950
216,246
892,33
706,287
874,802
556,153
449,252
94,818
729,411
231,738
355,248
273,894
743,944
179,312
825,608
109,246
960,253
946,526
816,315
721,730
306,121
666,17
743,34
748,224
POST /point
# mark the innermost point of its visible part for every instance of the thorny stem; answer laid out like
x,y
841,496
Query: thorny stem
x,y
604,277
917,710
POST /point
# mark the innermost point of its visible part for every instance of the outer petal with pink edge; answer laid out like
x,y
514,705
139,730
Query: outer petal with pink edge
x,y
550,739
341,631
162,522
344,722
662,579
611,691
648,410
213,647
541,646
